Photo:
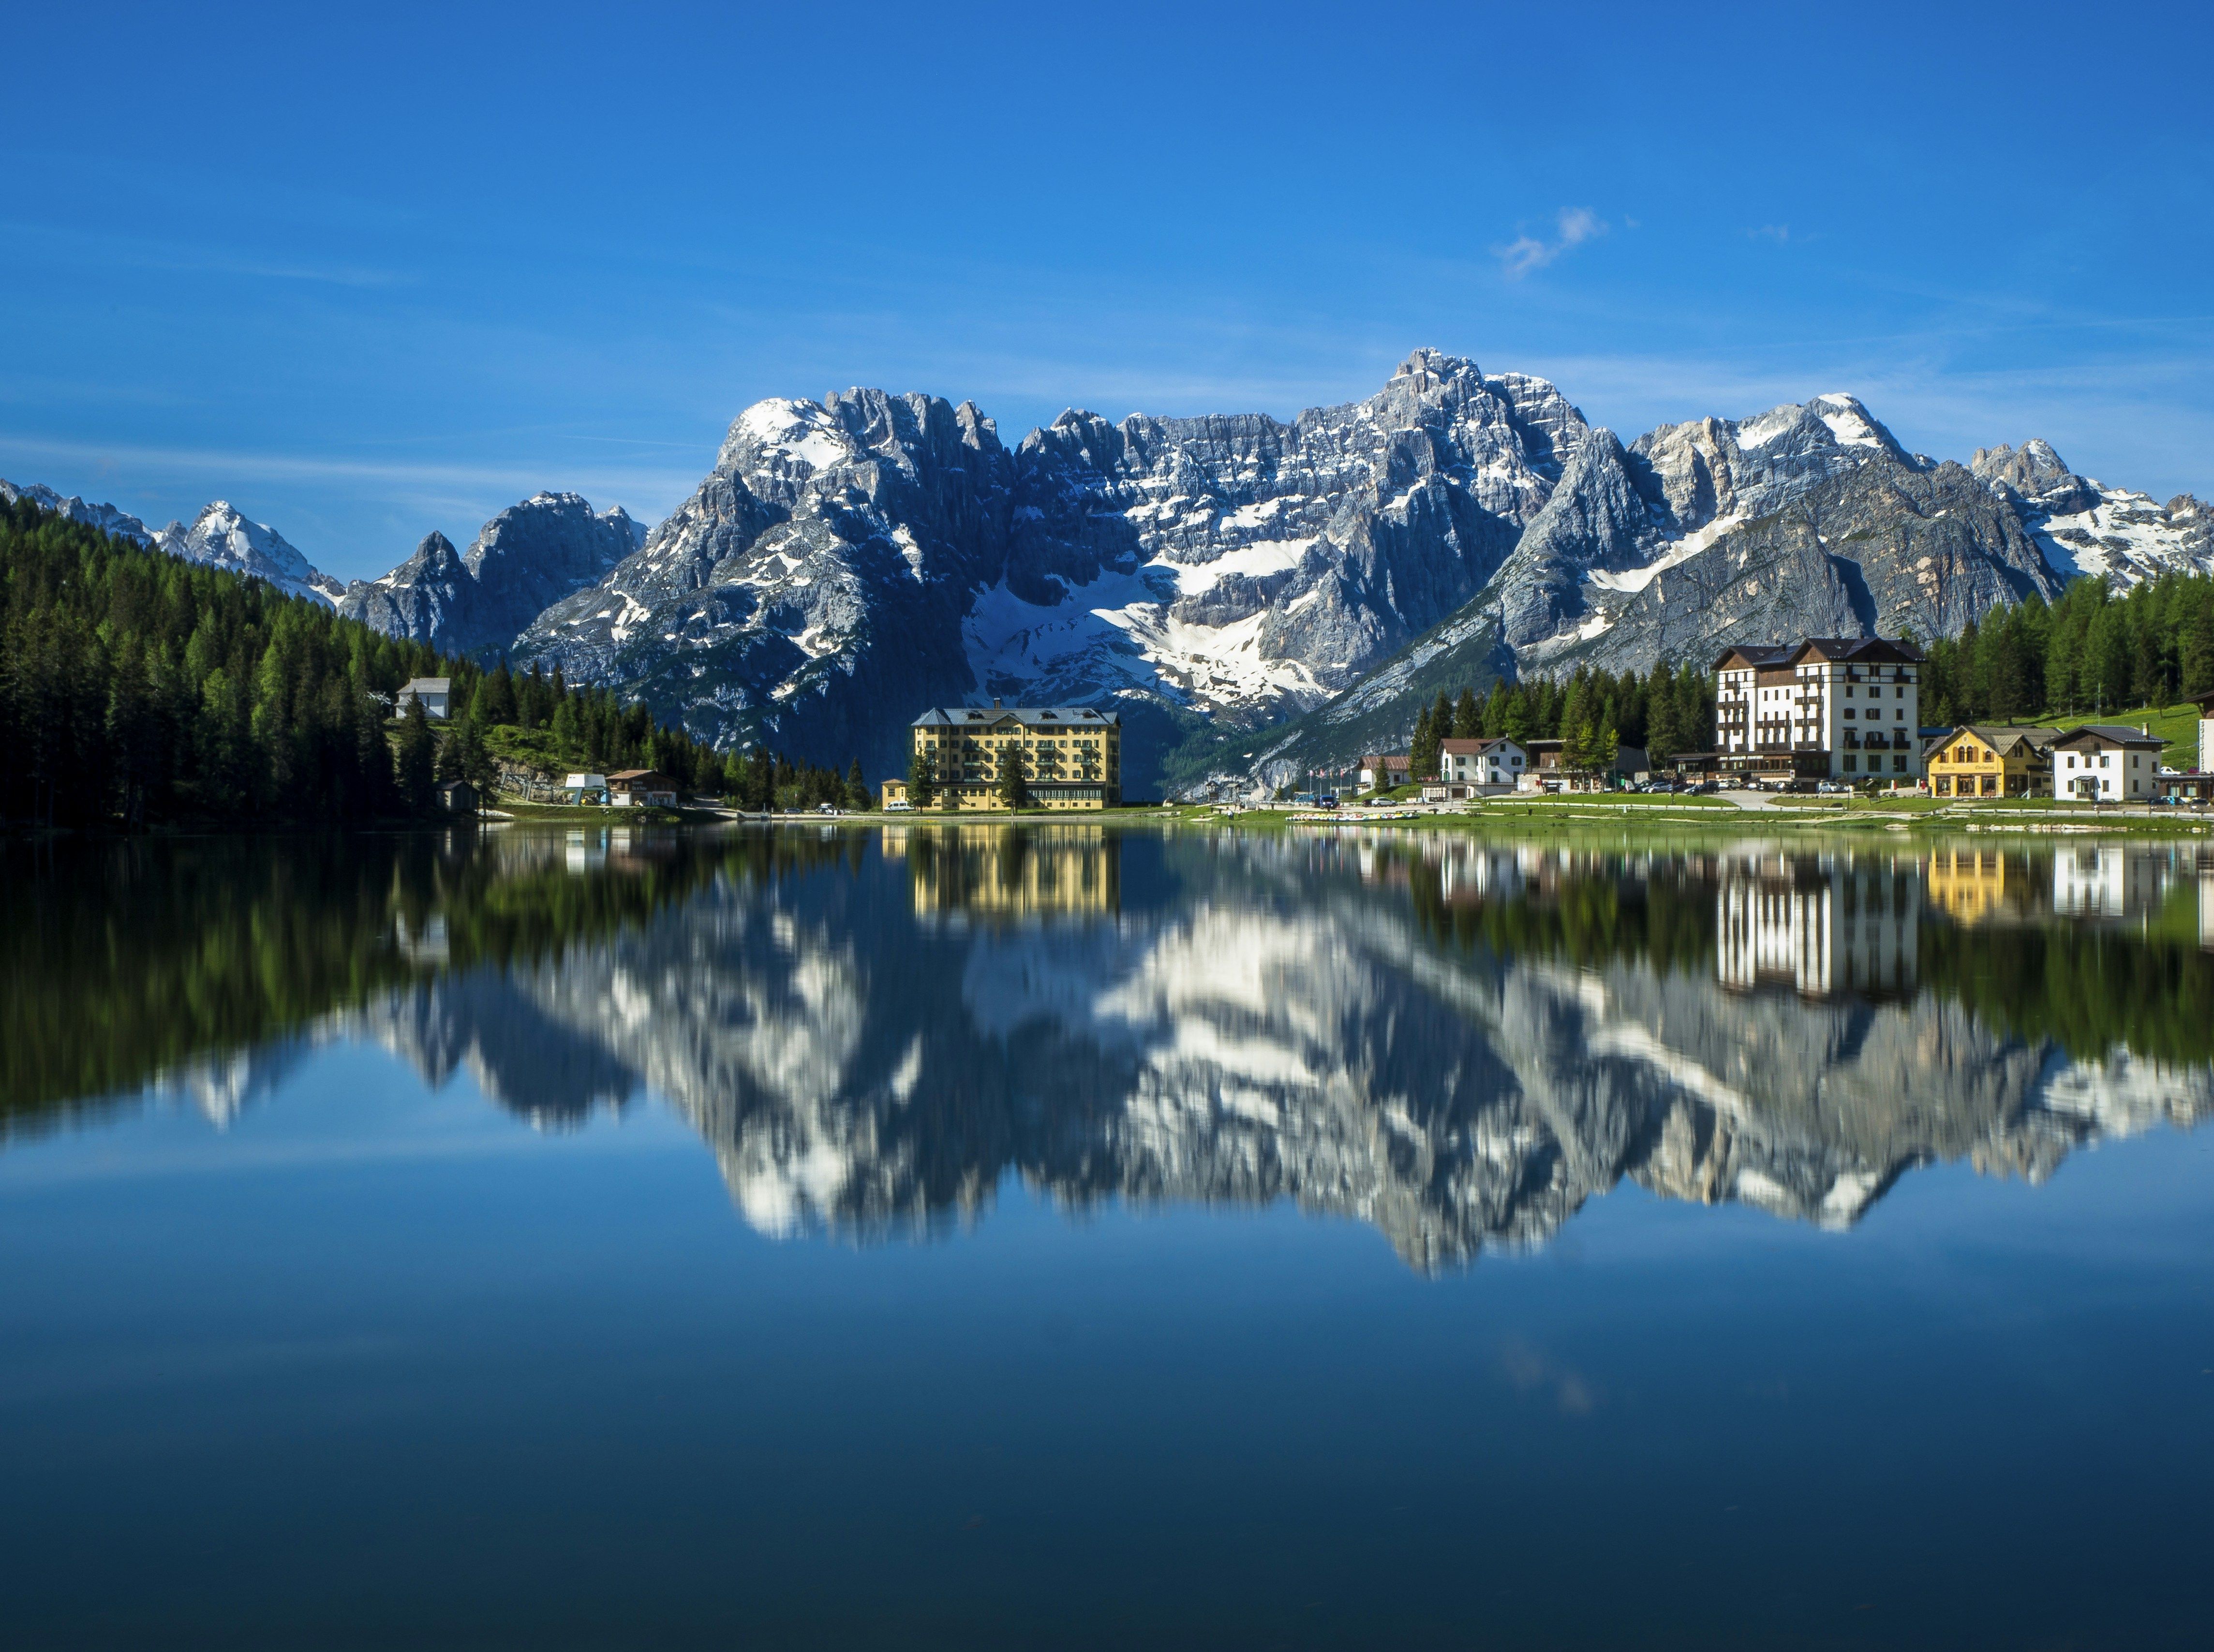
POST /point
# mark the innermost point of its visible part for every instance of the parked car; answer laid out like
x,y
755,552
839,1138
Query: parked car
x,y
899,806
1834,788
1327,801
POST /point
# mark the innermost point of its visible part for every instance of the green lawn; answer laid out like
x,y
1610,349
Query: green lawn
x,y
2178,725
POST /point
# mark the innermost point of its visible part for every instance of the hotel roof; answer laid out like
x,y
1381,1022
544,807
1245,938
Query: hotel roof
x,y
1027,716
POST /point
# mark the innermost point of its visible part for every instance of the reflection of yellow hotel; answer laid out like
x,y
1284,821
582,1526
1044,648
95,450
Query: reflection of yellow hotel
x,y
1011,871
1068,756
1969,886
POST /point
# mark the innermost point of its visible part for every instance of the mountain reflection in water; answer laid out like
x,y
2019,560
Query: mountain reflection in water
x,y
1459,1040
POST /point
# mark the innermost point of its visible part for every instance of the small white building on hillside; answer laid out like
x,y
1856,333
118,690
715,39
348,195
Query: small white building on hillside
x,y
435,693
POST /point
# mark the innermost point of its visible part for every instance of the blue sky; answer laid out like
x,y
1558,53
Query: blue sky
x,y
368,272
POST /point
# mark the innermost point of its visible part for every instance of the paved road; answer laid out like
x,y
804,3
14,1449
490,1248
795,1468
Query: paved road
x,y
1751,799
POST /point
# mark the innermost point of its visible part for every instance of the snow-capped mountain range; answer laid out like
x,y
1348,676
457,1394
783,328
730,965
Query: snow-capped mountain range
x,y
219,537
848,561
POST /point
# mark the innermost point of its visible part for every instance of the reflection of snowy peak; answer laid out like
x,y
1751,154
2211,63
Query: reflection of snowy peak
x,y
1288,1032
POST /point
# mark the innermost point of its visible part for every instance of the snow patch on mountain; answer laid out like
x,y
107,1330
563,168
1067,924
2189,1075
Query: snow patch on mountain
x,y
2124,538
220,537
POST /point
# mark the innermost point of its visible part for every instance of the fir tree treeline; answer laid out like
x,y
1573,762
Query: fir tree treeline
x,y
138,688
760,779
1593,713
2092,651
131,957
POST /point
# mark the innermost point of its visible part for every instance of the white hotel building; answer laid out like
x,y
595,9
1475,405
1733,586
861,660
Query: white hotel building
x,y
1828,709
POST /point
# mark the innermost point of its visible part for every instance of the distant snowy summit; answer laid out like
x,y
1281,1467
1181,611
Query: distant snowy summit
x,y
219,537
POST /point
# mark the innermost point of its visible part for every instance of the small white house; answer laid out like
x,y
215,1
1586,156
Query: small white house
x,y
435,693
1382,769
2105,762
1479,767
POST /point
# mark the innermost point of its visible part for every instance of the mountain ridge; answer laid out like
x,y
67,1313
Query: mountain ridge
x,y
1231,581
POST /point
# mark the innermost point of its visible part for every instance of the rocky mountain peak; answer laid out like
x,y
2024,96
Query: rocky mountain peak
x,y
2036,473
1425,368
221,537
521,563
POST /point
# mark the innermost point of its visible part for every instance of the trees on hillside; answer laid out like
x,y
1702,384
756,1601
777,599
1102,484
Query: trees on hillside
x,y
2094,650
137,687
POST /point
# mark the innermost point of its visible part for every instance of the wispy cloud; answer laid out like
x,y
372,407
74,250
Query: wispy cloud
x,y
1577,224
288,467
1778,233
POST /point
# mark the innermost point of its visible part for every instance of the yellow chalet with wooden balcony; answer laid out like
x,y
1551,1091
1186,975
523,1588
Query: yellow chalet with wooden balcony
x,y
1977,760
963,758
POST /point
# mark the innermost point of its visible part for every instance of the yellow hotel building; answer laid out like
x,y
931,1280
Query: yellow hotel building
x,y
1976,761
1069,757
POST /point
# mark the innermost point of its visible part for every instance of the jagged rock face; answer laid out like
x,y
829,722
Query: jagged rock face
x,y
1677,493
1259,567
1808,520
2034,475
522,562
1884,550
1595,521
106,517
221,538
811,592
1711,470
853,560
425,599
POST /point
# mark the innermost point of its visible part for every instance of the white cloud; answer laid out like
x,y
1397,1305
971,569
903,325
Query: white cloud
x,y
1577,224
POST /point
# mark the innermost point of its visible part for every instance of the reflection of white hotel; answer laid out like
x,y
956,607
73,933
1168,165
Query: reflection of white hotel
x,y
1832,930
2107,881
1480,874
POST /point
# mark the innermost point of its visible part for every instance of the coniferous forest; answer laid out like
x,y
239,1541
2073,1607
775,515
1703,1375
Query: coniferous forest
x,y
139,689
2092,651
1594,712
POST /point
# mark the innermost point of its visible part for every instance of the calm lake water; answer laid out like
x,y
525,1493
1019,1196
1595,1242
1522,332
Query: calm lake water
x,y
960,1236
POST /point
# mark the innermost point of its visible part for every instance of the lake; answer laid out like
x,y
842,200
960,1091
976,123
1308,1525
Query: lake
x,y
1067,1236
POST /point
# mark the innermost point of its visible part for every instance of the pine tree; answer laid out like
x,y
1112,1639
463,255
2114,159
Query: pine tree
x,y
1015,786
1468,717
413,760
